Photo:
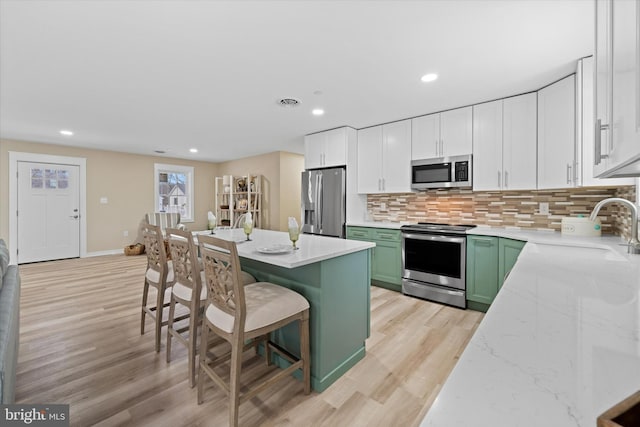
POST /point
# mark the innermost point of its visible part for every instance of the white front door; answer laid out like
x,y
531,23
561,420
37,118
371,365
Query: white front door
x,y
48,211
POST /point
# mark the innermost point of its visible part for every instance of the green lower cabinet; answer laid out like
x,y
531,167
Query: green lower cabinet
x,y
489,260
386,260
482,270
509,250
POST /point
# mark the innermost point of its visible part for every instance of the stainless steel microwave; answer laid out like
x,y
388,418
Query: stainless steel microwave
x,y
454,171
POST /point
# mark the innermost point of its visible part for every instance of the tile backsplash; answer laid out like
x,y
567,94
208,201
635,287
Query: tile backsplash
x,y
503,208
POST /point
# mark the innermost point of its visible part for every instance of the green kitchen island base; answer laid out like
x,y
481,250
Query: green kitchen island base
x,y
339,295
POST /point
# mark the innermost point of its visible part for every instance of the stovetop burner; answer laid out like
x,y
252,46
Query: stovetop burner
x,y
437,228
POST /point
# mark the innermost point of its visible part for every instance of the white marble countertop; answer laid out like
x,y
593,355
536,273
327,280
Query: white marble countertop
x,y
377,224
560,343
547,236
311,248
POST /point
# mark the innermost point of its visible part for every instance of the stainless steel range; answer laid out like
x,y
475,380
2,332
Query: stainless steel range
x,y
434,262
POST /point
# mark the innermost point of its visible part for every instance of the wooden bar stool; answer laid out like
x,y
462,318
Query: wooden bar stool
x,y
240,314
187,291
159,275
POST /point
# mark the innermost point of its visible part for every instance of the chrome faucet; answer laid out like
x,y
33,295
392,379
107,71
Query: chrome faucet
x,y
634,244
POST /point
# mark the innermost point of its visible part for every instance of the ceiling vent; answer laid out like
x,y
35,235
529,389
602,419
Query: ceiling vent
x,y
289,102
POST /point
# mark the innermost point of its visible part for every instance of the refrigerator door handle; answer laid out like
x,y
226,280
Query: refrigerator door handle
x,y
316,219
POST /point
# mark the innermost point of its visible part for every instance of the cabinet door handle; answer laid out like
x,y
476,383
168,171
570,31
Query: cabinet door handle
x,y
597,146
506,179
499,179
379,184
437,148
383,184
568,173
441,148
483,242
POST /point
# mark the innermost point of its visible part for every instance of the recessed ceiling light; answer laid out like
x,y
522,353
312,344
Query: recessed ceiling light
x,y
193,150
317,112
66,132
429,77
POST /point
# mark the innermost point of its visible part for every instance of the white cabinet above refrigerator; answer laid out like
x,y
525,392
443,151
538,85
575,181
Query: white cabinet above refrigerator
x,y
326,149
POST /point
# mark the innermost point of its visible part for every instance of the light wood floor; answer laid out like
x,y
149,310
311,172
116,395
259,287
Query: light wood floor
x,y
80,344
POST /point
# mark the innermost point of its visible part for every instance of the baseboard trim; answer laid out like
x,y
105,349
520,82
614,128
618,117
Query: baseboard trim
x,y
102,253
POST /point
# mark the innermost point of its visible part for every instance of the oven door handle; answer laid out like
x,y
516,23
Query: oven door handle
x,y
434,237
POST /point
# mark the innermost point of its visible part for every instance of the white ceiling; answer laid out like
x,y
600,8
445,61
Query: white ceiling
x,y
139,76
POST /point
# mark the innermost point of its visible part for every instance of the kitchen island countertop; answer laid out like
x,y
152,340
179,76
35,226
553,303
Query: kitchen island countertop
x,y
559,345
312,248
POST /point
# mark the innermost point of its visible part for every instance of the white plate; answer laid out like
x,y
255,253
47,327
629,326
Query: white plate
x,y
275,249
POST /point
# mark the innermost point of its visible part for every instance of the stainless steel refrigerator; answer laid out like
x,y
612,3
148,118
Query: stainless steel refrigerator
x,y
323,202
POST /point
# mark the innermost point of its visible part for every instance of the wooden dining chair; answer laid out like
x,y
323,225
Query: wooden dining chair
x,y
164,220
159,275
240,314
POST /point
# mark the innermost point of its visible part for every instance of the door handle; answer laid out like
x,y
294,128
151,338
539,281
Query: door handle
x,y
506,179
483,242
568,173
598,156
437,149
499,179
74,216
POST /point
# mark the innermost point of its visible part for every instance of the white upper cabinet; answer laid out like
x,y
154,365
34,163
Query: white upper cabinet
x,y
442,134
556,134
370,160
335,153
456,132
487,147
326,149
602,88
314,146
617,135
586,129
425,137
504,144
519,142
396,157
384,158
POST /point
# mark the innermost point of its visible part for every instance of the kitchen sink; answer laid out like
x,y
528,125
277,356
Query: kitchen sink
x,y
583,252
